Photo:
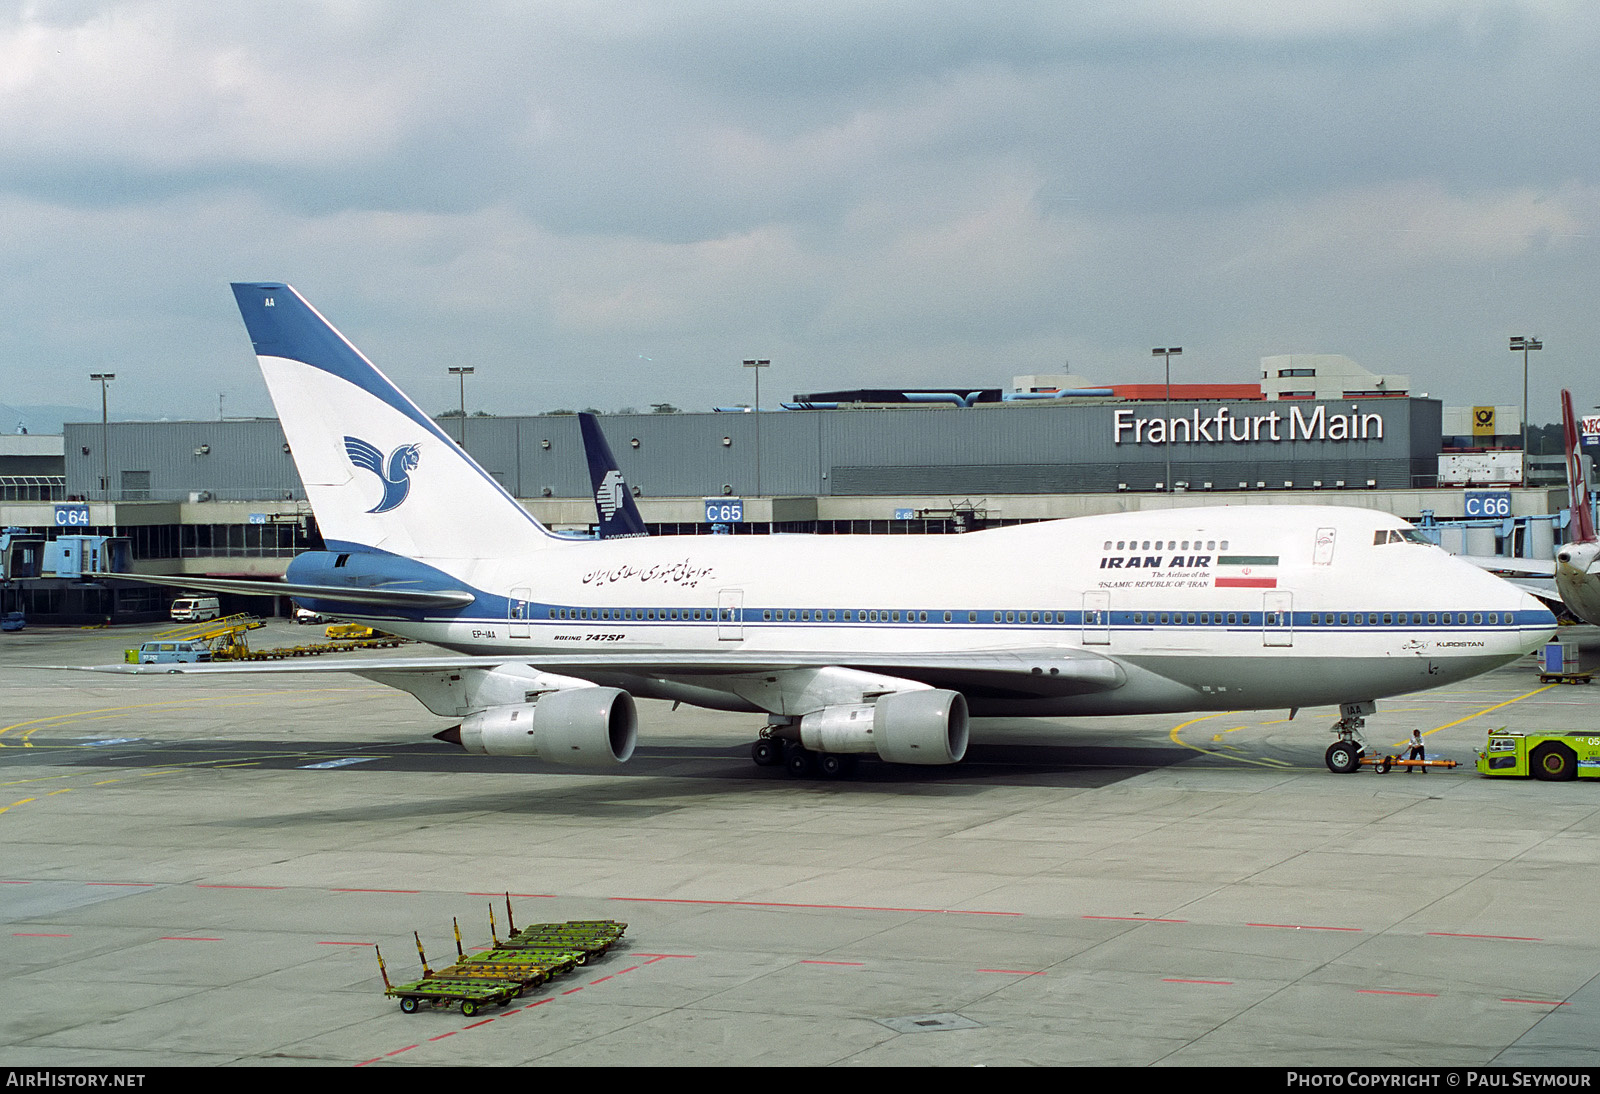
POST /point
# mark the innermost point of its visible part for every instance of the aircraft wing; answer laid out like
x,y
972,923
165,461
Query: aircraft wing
x,y
1533,576
1014,672
1512,567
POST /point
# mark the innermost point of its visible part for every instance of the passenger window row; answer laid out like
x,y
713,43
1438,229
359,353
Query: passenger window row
x,y
1166,545
1101,617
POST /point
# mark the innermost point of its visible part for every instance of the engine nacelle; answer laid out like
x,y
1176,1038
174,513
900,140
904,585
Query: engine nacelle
x,y
904,727
587,727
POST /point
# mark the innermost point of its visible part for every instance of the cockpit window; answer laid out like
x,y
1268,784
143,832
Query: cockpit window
x,y
1399,535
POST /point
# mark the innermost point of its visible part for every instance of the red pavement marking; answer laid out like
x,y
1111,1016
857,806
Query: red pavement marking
x,y
1303,927
1381,991
826,907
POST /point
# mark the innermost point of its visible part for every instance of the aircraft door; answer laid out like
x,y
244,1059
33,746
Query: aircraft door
x,y
730,614
1278,621
1322,554
1097,618
518,612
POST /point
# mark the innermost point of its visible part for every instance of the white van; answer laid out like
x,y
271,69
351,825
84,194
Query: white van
x,y
195,609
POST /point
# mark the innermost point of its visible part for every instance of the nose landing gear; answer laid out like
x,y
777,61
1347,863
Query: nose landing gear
x,y
1344,755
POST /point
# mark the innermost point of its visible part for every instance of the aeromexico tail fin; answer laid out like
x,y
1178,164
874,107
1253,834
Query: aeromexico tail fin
x,y
613,501
1577,485
378,471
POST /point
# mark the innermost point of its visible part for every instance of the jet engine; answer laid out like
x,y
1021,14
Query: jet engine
x,y
586,727
903,727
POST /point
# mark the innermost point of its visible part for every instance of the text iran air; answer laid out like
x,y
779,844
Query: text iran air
x,y
1319,425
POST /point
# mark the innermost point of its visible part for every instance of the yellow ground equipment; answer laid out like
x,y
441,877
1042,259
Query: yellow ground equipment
x,y
1554,757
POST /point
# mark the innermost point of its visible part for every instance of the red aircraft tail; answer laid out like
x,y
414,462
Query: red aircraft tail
x,y
1582,515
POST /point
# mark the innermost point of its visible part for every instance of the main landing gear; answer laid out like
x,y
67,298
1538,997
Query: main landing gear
x,y
773,751
1344,755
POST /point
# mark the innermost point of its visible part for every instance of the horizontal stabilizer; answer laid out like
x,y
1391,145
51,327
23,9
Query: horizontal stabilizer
x,y
366,596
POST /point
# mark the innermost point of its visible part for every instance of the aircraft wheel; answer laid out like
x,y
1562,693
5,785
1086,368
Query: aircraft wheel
x,y
1342,757
767,752
1553,762
834,766
798,762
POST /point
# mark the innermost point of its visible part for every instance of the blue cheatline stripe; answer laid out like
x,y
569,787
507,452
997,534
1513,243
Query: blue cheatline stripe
x,y
1245,622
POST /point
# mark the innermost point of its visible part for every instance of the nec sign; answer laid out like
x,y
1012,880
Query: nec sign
x,y
72,516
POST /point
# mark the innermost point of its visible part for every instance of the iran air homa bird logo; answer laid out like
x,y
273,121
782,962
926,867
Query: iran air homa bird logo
x,y
609,496
395,475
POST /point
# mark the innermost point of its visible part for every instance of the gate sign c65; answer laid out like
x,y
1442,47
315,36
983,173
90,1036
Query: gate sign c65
x,y
724,510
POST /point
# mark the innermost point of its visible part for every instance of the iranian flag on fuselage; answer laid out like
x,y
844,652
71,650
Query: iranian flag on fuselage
x,y
1246,572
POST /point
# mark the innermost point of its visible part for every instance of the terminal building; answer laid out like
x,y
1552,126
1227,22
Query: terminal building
x,y
222,498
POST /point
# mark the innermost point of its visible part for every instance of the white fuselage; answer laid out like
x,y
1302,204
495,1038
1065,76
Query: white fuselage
x,y
1231,608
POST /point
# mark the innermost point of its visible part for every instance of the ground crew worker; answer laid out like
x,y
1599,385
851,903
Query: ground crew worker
x,y
1415,752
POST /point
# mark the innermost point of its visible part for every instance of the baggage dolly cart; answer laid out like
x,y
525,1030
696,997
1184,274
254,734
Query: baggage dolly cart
x,y
560,953
593,937
437,991
527,968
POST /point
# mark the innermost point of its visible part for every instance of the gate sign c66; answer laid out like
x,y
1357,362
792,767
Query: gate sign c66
x,y
1488,503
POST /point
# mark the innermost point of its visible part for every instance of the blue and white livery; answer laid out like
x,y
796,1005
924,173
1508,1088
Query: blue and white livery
x,y
847,645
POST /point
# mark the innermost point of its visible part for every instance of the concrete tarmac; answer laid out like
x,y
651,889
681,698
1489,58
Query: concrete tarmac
x,y
196,871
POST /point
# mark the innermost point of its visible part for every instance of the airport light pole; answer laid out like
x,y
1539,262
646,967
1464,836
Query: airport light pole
x,y
1518,342
758,366
1167,353
103,378
462,374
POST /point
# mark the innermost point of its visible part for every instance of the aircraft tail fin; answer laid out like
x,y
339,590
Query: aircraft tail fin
x,y
613,501
379,472
1577,484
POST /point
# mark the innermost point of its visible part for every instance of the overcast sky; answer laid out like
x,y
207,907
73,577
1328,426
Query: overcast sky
x,y
613,204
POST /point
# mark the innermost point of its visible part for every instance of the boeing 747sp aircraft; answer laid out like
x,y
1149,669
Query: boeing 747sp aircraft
x,y
848,645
